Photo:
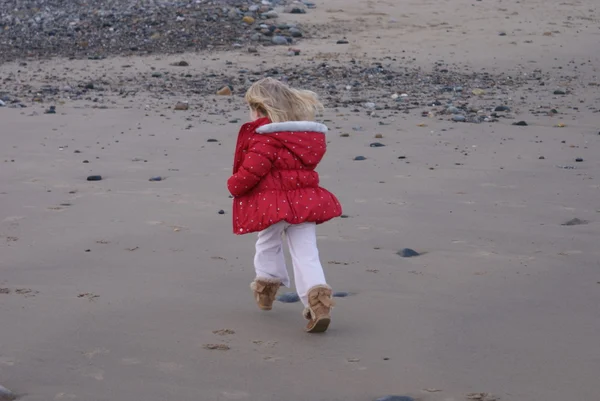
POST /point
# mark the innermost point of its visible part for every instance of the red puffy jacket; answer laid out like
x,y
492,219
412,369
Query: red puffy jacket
x,y
274,177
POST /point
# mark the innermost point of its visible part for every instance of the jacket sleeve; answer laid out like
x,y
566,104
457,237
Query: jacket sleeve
x,y
258,161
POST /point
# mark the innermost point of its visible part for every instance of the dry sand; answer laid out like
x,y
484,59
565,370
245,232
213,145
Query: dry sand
x,y
116,287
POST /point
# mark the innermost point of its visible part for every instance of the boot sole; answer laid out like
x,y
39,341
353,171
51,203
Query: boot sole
x,y
320,325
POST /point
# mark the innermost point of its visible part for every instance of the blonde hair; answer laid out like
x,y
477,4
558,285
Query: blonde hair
x,y
279,102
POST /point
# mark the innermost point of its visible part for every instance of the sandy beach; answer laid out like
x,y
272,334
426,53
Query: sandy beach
x,y
131,289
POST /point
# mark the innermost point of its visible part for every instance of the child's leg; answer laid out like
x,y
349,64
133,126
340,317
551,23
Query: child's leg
x,y
308,272
269,261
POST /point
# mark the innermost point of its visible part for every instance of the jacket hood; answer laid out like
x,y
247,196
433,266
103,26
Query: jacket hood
x,y
305,139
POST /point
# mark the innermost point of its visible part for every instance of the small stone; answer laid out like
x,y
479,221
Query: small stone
x,y
542,158
181,63
279,40
51,110
157,178
86,161
225,91
478,92
520,124
94,178
341,294
296,33
156,75
502,108
358,158
288,298
271,14
579,160
344,216
459,118
342,42
575,222
181,106
252,50
344,135
408,253
248,20
378,136
560,92
2,104
212,140
221,211
293,51
395,398
453,110
6,394
376,145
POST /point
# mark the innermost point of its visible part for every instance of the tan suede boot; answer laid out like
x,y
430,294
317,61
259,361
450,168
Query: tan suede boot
x,y
318,312
265,290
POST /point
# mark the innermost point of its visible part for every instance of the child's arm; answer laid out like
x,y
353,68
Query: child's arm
x,y
257,163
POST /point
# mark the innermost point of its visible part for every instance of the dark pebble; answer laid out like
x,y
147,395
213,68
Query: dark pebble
x,y
221,211
342,42
408,253
344,216
542,158
575,222
376,145
401,157
560,92
579,160
358,158
395,398
288,297
86,161
51,110
157,178
94,178
297,10
502,108
341,294
521,124
212,140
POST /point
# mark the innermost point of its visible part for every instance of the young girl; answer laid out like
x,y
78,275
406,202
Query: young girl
x,y
276,191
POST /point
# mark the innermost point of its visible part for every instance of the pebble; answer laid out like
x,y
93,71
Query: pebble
x,y
279,40
502,108
379,136
560,92
542,158
288,297
575,222
181,63
342,42
51,110
271,14
459,118
182,106
296,33
2,104
221,211
248,20
408,253
212,140
94,178
579,160
376,145
395,398
225,91
358,158
341,294
157,178
453,110
521,124
6,394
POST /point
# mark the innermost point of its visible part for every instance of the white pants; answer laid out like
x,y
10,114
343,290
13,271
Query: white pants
x,y
269,260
